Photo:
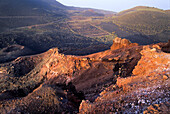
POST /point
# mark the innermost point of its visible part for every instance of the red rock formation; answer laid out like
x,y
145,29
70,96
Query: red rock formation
x,y
153,61
121,43
127,79
146,87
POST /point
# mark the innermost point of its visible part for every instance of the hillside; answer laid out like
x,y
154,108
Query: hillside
x,y
18,13
147,21
29,7
124,79
139,8
39,25
144,25
69,60
82,11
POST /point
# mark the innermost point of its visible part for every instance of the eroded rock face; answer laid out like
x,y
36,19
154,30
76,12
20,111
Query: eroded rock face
x,y
153,61
128,79
121,43
146,91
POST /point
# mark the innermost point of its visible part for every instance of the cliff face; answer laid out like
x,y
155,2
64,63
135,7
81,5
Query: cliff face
x,y
126,78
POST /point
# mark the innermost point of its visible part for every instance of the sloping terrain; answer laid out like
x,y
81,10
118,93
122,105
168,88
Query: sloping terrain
x,y
12,52
126,78
21,13
144,25
147,21
39,37
148,86
39,25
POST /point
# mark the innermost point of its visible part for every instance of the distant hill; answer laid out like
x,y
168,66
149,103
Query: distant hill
x,y
42,24
147,21
18,13
89,11
141,24
39,25
29,7
138,8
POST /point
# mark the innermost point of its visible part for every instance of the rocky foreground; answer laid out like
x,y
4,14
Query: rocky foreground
x,y
128,78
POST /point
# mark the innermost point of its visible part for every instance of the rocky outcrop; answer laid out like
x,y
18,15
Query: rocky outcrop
x,y
121,43
146,91
85,107
125,80
153,61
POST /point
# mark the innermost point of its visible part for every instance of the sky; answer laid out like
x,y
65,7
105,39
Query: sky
x,y
116,5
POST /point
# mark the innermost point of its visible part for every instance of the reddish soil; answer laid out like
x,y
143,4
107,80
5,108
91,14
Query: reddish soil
x,y
125,79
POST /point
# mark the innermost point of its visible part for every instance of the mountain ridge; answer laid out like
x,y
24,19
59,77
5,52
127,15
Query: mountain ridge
x,y
79,31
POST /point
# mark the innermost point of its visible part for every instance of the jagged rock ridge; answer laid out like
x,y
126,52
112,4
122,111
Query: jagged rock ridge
x,y
126,79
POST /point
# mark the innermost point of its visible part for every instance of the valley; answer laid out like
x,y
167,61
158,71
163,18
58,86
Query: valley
x,y
95,27
63,59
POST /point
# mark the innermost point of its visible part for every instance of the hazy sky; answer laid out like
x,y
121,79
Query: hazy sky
x,y
116,5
